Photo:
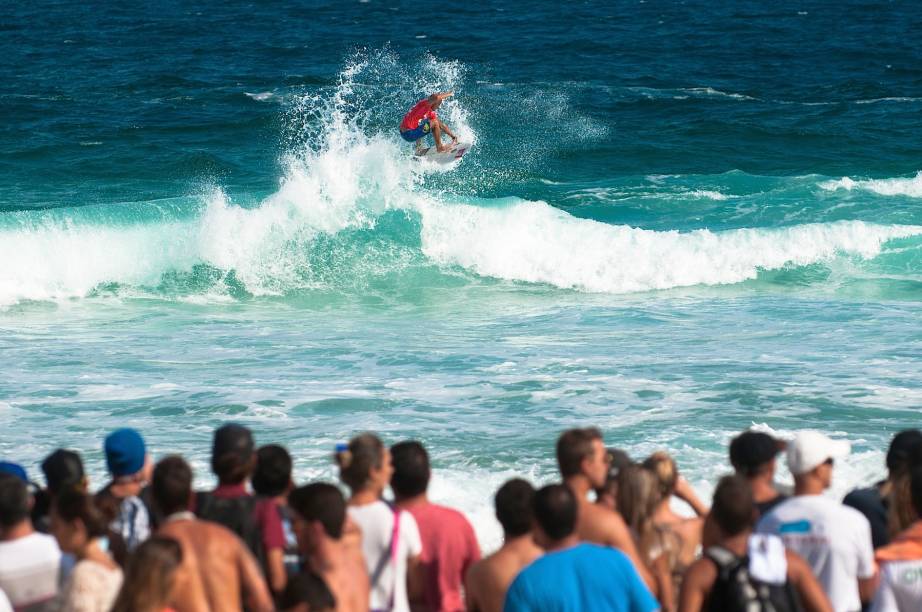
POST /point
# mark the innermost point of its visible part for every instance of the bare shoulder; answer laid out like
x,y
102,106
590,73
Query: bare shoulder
x,y
700,575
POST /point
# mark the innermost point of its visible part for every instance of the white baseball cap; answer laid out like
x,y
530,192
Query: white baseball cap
x,y
811,448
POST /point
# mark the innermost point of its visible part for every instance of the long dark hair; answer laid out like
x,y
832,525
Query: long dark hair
x,y
150,576
72,505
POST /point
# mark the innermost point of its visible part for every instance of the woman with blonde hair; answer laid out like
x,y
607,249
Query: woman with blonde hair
x,y
150,576
391,542
685,532
637,497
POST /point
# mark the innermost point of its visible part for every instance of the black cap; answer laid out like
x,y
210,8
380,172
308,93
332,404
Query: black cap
x,y
232,439
899,454
63,469
752,449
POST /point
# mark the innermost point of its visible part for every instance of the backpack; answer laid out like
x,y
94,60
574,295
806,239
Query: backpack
x,y
735,590
237,514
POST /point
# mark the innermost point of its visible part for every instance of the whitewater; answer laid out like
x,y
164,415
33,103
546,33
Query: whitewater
x,y
638,244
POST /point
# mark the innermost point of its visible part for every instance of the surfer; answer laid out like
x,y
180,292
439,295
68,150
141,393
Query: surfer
x,y
422,120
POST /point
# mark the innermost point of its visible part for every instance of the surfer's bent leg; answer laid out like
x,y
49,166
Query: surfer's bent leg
x,y
437,134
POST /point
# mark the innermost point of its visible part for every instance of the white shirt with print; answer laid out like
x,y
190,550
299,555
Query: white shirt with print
x,y
376,521
834,539
29,568
900,587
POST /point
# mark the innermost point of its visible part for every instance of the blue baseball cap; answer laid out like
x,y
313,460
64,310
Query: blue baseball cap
x,y
125,452
15,469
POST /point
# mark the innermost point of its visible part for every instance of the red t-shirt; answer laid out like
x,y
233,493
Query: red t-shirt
x,y
265,514
421,111
449,549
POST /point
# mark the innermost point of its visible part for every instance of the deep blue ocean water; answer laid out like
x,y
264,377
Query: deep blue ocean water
x,y
679,219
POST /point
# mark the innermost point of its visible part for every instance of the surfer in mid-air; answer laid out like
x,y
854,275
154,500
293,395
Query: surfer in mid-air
x,y
422,120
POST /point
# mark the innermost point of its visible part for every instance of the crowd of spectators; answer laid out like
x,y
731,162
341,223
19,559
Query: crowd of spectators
x,y
606,536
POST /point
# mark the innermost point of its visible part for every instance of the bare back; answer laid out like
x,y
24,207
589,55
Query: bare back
x,y
488,580
347,580
603,526
216,569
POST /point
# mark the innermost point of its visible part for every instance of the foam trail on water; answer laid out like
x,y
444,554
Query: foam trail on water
x,y
911,187
535,242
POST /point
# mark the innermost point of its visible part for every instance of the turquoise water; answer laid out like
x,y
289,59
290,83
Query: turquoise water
x,y
678,220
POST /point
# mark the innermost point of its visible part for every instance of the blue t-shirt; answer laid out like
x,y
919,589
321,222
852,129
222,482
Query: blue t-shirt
x,y
585,577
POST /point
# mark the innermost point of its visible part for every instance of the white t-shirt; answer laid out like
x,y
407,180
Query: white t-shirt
x,y
376,521
29,570
834,539
5,605
900,587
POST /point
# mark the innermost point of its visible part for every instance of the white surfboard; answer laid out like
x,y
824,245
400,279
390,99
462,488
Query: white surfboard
x,y
455,151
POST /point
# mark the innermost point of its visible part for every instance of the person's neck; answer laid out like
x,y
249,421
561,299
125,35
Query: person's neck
x,y
808,486
413,501
365,496
515,542
125,489
580,486
568,542
738,544
19,530
92,551
763,488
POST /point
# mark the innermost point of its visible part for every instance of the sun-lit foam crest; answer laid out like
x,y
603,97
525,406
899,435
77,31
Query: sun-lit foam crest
x,y
911,187
535,242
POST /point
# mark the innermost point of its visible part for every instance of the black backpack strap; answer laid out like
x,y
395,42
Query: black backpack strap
x,y
725,560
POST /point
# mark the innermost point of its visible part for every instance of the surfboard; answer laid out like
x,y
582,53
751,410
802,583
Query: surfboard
x,y
455,151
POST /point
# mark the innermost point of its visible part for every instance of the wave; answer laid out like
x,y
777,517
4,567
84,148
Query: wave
x,y
352,205
535,242
911,187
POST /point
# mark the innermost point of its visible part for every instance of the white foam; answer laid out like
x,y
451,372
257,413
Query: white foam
x,y
534,242
911,187
709,195
261,96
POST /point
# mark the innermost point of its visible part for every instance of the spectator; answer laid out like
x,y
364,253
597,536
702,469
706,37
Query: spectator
x,y
488,580
130,467
150,576
256,521
743,571
684,531
873,502
391,542
449,544
334,575
80,528
901,560
834,539
583,464
752,454
638,498
217,569
272,481
29,561
607,494
63,469
573,575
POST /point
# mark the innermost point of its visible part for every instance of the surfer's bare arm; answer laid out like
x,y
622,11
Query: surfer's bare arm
x,y
449,132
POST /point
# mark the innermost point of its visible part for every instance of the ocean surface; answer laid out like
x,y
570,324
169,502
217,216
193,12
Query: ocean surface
x,y
678,220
